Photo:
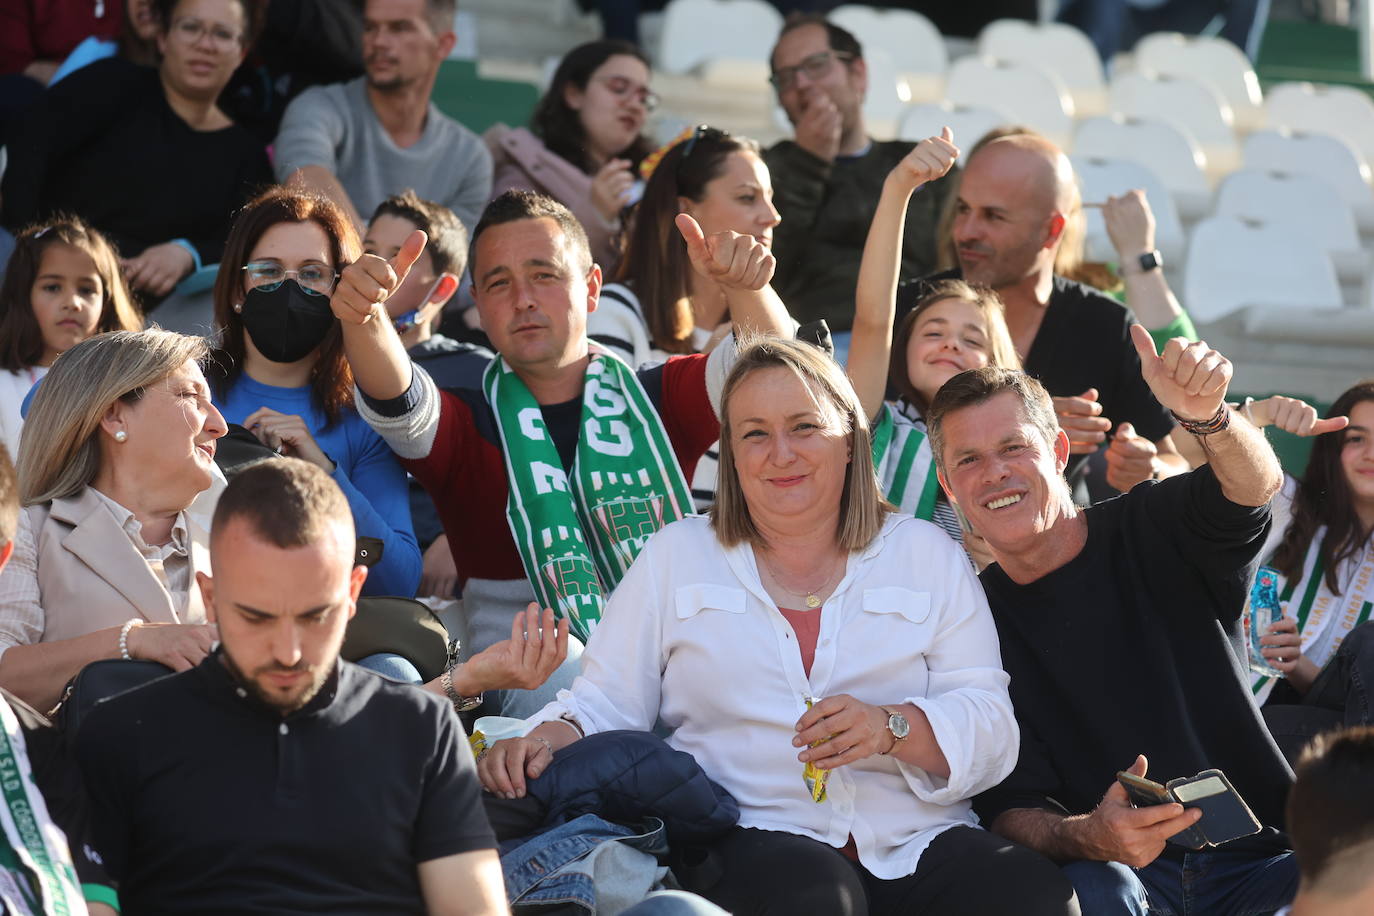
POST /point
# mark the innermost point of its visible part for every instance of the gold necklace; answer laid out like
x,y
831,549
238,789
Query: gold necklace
x,y
812,596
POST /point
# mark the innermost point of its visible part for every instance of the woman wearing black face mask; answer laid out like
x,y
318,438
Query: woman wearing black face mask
x,y
281,373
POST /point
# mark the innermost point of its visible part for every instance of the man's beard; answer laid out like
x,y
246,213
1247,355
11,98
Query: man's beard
x,y
316,679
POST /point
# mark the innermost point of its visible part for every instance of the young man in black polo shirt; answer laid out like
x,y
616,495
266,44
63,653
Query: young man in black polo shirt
x,y
1120,628
275,777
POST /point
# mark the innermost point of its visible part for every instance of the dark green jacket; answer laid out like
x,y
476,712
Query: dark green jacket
x,y
826,210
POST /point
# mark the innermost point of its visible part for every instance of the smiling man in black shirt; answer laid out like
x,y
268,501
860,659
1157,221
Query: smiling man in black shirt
x,y
1120,628
274,777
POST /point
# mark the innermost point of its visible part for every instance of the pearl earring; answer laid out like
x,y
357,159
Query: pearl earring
x,y
238,306
121,436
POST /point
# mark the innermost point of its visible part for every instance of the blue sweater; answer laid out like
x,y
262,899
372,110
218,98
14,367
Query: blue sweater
x,y
365,469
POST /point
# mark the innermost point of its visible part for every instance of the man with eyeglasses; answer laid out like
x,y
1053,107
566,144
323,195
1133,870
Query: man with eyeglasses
x,y
828,178
362,141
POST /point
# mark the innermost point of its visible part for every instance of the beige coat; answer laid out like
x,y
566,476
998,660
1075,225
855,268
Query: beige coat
x,y
90,576
520,160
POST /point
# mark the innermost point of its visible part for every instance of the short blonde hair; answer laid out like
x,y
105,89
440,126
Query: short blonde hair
x,y
862,507
59,453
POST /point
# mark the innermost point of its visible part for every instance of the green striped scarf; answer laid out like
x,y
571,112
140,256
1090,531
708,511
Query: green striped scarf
x,y
578,537
1323,619
904,462
36,874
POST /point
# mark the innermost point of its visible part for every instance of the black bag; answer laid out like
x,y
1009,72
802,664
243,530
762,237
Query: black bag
x,y
96,683
402,626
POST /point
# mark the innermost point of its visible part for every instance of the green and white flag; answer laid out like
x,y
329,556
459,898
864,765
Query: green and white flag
x,y
904,462
578,537
1323,619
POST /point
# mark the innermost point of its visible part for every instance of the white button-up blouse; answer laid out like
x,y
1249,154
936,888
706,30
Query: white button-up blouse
x,y
690,636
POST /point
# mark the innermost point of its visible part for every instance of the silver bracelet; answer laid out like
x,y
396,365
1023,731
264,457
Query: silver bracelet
x,y
124,637
545,741
460,702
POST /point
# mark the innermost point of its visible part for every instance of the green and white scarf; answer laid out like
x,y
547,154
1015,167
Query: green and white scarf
x,y
1324,619
904,462
578,537
36,873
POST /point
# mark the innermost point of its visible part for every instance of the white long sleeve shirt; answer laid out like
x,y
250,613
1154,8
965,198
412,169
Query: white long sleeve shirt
x,y
691,636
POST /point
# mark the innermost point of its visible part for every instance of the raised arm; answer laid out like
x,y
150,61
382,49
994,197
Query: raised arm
x,y
1191,379
380,365
1131,227
743,267
870,347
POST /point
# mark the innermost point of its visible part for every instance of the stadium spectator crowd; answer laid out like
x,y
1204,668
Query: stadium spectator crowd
x,y
807,532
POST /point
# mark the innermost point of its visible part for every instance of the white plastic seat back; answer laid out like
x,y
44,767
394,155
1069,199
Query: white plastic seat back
x,y
1213,60
1189,103
698,31
968,123
1341,111
1323,156
1100,178
910,39
1062,49
1305,203
1158,146
1234,263
1037,97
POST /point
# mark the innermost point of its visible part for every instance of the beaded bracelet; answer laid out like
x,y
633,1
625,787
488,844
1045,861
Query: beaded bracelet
x,y
1219,421
124,637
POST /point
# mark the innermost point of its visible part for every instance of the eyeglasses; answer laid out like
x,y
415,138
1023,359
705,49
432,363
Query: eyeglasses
x,y
192,30
815,67
620,87
703,130
316,279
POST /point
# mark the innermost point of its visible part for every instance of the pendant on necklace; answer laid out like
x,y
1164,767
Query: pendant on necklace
x,y
813,601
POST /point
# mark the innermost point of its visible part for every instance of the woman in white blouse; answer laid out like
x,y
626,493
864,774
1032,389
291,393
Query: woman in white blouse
x,y
804,586
118,445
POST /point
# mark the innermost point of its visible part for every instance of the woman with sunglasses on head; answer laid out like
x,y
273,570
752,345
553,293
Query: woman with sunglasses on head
x,y
658,305
281,373
146,155
584,141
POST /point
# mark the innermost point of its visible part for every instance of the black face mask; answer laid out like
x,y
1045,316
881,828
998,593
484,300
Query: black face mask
x,y
287,322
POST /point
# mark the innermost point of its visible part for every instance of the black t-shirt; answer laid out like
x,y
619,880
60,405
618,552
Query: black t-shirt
x,y
206,801
1135,647
1084,341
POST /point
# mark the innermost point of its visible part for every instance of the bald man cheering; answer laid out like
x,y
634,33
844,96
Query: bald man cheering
x,y
1016,198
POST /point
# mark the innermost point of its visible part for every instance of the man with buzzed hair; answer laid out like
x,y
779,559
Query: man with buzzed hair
x,y
829,175
1016,197
275,777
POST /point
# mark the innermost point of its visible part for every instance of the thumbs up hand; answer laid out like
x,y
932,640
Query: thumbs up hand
x,y
928,160
733,260
1189,377
368,282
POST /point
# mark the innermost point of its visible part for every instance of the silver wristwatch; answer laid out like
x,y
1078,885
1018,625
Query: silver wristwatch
x,y
898,726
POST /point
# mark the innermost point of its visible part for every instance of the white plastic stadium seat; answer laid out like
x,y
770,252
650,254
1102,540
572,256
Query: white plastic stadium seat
x,y
1101,178
911,40
1157,145
698,31
968,123
1059,48
1215,61
1329,158
1039,99
1304,203
1341,111
1233,264
1191,104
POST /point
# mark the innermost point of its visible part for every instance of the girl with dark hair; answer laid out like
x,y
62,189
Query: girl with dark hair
x,y
584,140
1321,550
658,305
61,286
281,373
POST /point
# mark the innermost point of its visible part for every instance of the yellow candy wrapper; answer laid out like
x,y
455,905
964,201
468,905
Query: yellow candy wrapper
x,y
478,742
814,777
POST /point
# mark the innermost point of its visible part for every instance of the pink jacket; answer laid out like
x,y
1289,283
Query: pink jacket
x,y
520,160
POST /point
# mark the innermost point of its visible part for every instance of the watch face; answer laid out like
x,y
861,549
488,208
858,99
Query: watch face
x,y
898,725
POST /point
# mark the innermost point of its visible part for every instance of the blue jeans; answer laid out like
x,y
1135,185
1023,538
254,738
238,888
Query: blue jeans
x,y
1211,883
393,666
